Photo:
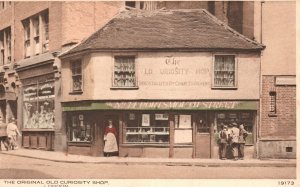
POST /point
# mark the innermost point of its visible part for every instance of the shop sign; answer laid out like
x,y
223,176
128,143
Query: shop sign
x,y
163,105
175,105
285,81
146,120
185,121
131,116
161,116
38,92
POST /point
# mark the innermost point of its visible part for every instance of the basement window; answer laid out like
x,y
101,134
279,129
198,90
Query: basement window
x,y
289,149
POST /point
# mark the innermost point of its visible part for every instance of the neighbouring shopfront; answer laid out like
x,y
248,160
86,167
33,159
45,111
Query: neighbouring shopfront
x,y
36,104
180,129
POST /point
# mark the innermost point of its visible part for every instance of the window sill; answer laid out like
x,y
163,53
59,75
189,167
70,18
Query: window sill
x,y
224,88
76,92
79,143
145,145
272,115
124,88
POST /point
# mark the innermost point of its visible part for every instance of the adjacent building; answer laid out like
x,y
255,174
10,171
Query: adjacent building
x,y
167,78
277,134
32,34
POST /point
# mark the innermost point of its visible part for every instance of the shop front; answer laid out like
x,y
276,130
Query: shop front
x,y
177,129
36,105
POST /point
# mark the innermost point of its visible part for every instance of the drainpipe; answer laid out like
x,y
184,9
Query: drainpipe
x,y
260,81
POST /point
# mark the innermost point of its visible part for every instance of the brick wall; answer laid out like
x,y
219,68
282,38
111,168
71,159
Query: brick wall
x,y
55,25
81,19
283,125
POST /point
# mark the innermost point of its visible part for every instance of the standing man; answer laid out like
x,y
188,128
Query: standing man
x,y
234,134
242,140
223,136
12,132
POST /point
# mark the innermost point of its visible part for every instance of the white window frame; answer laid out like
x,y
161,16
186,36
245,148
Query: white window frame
x,y
37,42
5,46
114,86
72,75
235,86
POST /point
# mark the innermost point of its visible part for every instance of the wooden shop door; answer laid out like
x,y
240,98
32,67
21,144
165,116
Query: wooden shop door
x,y
202,140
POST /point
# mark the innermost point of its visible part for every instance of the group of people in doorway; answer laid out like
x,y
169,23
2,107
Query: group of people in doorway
x,y
8,134
232,141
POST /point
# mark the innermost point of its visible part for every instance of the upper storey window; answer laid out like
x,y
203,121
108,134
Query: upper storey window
x,y
143,5
36,34
224,72
124,72
5,46
4,4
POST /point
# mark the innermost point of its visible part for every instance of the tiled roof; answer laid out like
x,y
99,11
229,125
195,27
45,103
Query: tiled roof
x,y
166,29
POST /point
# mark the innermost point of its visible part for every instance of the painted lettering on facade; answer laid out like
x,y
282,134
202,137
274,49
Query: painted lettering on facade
x,y
176,72
173,105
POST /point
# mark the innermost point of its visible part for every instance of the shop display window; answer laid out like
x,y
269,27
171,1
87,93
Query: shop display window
x,y
147,128
38,106
80,129
124,72
224,71
242,117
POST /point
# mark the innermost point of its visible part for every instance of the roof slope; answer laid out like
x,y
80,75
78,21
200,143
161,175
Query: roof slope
x,y
166,29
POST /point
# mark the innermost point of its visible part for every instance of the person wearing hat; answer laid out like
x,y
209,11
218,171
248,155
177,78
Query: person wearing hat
x,y
242,140
223,137
234,134
12,132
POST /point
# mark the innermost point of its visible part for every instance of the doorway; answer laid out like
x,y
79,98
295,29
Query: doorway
x,y
100,125
202,135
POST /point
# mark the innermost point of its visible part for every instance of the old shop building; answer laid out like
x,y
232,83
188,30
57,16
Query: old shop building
x,y
167,79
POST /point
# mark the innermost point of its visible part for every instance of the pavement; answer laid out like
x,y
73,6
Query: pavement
x,y
68,158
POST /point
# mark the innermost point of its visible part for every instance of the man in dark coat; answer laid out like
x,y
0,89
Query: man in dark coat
x,y
242,140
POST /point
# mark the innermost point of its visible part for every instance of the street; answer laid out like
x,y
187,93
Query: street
x,y
15,167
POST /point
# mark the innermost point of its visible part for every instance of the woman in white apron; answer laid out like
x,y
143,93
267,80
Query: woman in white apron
x,y
110,146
